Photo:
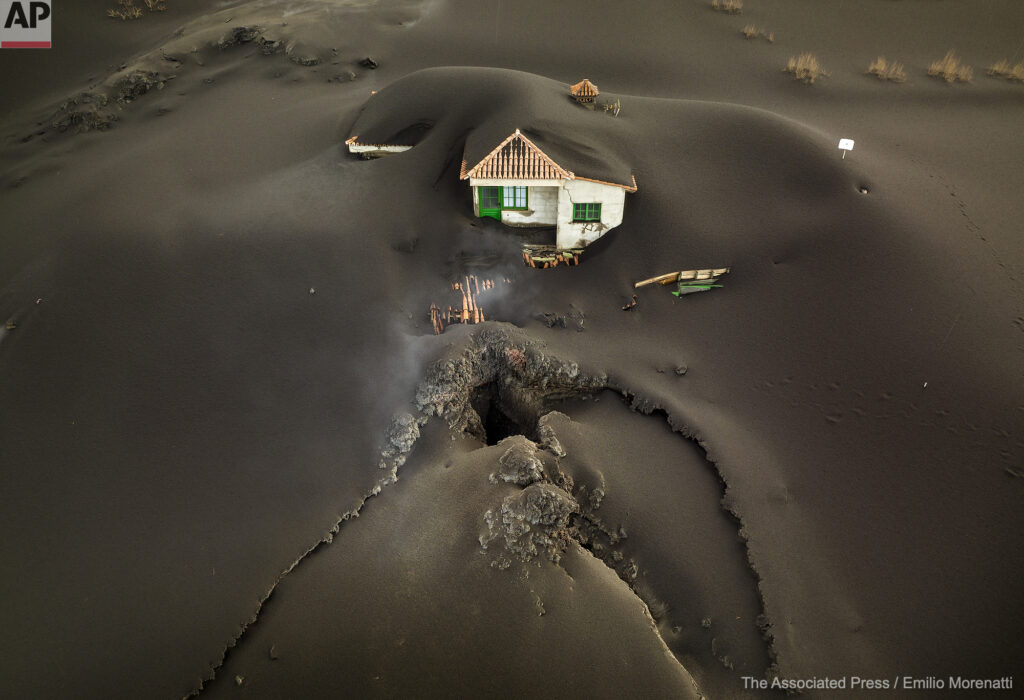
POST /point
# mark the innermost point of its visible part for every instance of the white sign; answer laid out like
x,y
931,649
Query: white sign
x,y
846,145
26,24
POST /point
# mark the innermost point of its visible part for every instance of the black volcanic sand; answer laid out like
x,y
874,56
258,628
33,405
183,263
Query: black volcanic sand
x,y
212,312
408,607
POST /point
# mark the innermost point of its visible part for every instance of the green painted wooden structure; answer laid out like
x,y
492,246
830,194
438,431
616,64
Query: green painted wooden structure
x,y
493,200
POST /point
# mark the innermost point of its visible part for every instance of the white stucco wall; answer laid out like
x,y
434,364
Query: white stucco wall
x,y
542,201
550,203
578,235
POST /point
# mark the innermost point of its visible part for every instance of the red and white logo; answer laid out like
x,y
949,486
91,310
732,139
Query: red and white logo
x,y
26,24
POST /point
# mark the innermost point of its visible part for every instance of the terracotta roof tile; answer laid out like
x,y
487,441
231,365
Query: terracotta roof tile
x,y
518,158
628,188
584,88
353,142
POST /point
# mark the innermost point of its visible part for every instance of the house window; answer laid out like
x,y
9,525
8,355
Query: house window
x,y
513,198
590,211
490,200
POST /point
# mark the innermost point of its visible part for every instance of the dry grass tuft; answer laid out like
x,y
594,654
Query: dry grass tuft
x,y
732,7
884,70
806,68
1003,69
752,32
950,69
126,9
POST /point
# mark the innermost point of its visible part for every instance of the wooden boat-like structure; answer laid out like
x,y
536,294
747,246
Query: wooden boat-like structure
x,y
688,281
545,256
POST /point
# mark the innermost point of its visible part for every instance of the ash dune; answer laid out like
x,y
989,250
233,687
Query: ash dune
x,y
217,353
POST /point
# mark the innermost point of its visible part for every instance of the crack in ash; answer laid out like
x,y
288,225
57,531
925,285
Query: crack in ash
x,y
446,393
524,379
549,514
401,437
517,378
647,407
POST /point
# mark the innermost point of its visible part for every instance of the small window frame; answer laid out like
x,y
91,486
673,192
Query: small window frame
x,y
516,191
586,212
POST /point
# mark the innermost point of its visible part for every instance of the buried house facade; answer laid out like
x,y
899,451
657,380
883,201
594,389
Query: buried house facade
x,y
519,185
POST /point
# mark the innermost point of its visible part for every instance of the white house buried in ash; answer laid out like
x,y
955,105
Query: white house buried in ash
x,y
520,185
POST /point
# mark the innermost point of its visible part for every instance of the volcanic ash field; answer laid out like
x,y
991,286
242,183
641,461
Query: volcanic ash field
x,y
238,459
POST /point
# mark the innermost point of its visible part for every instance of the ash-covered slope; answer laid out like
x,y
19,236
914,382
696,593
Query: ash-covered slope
x,y
408,609
212,313
496,102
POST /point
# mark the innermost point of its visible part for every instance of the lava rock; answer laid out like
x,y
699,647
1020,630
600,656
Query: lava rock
x,y
520,465
402,434
138,83
238,36
548,439
551,320
534,520
84,112
542,504
305,60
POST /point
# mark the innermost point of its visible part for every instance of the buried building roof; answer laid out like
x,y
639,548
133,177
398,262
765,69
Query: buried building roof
x,y
584,90
519,158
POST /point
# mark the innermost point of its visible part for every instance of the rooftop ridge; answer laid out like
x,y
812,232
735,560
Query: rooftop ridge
x,y
517,157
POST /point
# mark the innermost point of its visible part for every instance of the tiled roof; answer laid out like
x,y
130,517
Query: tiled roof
x,y
628,188
584,88
353,142
518,158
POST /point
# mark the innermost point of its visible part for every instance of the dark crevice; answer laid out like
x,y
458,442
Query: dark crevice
x,y
501,417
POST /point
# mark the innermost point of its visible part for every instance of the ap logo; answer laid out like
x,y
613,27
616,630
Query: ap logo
x,y
26,24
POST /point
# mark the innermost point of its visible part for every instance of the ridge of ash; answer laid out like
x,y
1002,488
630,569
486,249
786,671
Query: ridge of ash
x,y
96,108
648,407
93,110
